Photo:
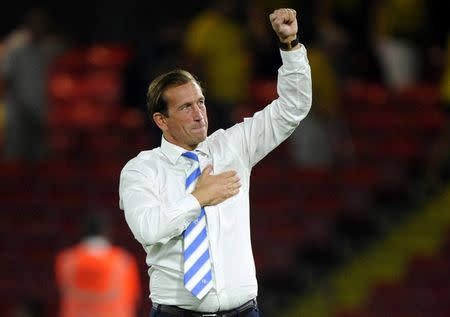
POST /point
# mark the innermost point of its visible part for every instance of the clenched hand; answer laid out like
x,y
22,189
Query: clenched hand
x,y
284,23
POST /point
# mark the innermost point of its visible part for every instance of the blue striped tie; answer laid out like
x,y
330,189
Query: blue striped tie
x,y
197,263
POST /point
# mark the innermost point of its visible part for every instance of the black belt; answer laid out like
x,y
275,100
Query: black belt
x,y
241,311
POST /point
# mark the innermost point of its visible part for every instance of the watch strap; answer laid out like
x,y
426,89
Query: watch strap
x,y
288,46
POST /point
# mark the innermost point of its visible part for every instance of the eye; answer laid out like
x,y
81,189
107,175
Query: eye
x,y
185,107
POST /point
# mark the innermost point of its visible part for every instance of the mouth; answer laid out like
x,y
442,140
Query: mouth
x,y
199,128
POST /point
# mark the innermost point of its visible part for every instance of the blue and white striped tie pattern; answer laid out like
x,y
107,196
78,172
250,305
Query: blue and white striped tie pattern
x,y
197,260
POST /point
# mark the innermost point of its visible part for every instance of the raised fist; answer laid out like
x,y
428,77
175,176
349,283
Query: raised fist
x,y
284,23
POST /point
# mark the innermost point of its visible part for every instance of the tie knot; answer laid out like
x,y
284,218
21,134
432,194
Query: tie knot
x,y
190,155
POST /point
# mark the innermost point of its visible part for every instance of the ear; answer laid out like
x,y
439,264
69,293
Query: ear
x,y
160,120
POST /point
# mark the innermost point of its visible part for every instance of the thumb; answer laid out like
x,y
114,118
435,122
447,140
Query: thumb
x,y
208,169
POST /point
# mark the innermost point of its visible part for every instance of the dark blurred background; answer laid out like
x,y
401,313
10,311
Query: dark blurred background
x,y
350,216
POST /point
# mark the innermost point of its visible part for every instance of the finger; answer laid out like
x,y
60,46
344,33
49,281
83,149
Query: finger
x,y
287,16
276,16
291,15
234,184
228,174
282,18
234,191
207,170
232,187
272,17
279,19
235,179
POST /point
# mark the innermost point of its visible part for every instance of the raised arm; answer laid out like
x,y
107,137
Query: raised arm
x,y
257,136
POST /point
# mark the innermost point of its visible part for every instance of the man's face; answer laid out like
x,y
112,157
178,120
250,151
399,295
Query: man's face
x,y
186,124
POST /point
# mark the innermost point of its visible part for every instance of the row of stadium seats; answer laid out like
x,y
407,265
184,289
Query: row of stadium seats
x,y
424,291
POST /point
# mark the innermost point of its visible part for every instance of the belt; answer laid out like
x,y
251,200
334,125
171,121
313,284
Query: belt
x,y
241,311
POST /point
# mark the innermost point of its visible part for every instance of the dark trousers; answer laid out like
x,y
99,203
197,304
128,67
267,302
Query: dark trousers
x,y
254,313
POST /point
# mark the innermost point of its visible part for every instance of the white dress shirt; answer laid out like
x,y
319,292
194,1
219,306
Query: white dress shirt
x,y
157,208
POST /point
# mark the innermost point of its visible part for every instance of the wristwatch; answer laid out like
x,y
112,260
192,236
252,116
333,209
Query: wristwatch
x,y
288,46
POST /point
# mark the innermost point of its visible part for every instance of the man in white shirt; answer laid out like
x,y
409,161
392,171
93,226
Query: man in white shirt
x,y
160,207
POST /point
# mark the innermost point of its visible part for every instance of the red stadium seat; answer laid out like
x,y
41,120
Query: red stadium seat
x,y
262,92
108,56
359,96
420,96
359,177
315,177
71,61
103,87
63,88
322,204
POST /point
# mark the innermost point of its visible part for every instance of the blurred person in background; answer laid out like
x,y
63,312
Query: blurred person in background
x,y
341,27
16,38
96,278
195,225
215,47
25,68
398,35
264,60
160,51
323,140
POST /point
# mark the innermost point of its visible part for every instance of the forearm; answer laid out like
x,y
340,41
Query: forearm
x,y
294,85
150,219
271,126
159,224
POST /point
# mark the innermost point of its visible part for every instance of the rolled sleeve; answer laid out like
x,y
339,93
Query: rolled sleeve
x,y
150,219
257,136
292,60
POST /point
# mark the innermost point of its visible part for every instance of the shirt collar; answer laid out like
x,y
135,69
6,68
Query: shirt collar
x,y
173,152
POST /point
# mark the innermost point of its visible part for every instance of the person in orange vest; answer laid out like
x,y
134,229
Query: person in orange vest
x,y
96,278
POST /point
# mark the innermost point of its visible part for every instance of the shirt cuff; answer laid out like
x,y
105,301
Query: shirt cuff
x,y
292,58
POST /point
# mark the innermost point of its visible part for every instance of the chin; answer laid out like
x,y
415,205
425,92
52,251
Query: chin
x,y
202,138
202,133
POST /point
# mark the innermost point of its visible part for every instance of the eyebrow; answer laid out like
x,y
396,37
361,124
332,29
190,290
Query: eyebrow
x,y
189,103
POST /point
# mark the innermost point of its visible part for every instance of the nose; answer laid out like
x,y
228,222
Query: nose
x,y
198,114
